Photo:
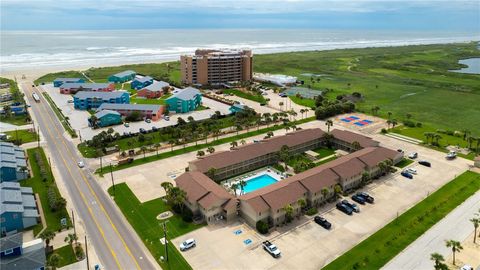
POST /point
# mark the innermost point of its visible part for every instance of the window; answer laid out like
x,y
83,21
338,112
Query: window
x,y
15,216
9,251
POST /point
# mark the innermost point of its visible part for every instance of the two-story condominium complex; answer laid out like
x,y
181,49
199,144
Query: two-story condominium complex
x,y
105,118
150,111
88,100
154,90
210,67
18,208
59,81
267,203
141,82
184,100
13,163
122,77
72,88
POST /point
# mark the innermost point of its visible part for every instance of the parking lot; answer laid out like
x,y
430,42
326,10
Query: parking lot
x,y
306,245
78,118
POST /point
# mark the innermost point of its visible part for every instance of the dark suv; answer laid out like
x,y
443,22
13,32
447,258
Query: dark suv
x,y
425,163
354,207
359,199
366,196
345,209
322,222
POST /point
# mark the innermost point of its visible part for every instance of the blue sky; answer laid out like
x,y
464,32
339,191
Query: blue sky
x,y
439,15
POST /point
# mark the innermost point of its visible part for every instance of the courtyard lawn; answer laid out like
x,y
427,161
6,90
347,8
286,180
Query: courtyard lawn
x,y
385,244
307,102
250,96
40,187
67,255
48,78
22,136
160,101
401,80
404,163
324,152
143,218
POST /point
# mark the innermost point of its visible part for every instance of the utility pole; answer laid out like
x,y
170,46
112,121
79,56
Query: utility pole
x,y
166,242
86,253
113,183
101,167
73,223
38,137
50,166
80,135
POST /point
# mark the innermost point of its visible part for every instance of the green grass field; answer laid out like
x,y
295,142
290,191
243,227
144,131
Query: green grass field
x,y
39,186
307,102
143,218
408,79
48,78
382,246
250,96
404,163
25,136
67,255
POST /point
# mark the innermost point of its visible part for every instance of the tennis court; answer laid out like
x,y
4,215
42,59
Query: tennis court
x,y
304,92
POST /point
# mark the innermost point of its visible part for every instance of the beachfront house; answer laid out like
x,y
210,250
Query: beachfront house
x,y
13,163
17,254
18,208
122,77
88,100
106,118
59,81
141,82
184,100
72,88
154,90
149,111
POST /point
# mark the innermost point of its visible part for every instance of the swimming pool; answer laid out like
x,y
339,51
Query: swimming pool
x,y
258,182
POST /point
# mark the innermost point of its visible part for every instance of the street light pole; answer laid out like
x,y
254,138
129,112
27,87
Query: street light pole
x,y
86,253
166,242
38,136
113,183
73,223
101,167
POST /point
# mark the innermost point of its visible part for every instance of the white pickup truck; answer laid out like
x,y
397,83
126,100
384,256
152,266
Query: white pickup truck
x,y
272,249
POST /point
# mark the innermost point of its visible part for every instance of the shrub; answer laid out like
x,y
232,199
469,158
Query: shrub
x,y
442,131
187,215
409,123
52,198
384,131
79,252
449,132
419,124
312,211
262,227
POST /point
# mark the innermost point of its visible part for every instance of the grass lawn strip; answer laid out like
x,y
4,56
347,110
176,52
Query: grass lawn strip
x,y
257,97
192,148
404,163
25,136
60,116
306,102
378,249
143,218
40,187
67,255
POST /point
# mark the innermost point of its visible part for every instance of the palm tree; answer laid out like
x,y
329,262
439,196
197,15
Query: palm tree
x,y
438,260
234,187
394,123
144,149
281,105
428,135
176,196
389,122
243,142
476,223
157,145
338,190
470,140
288,212
455,246
329,124
437,137
324,192
54,261
356,145
94,121
284,155
302,203
172,143
166,186
408,115
47,236
234,144
70,238
211,150
242,185
200,153
211,172
302,111
365,177
389,114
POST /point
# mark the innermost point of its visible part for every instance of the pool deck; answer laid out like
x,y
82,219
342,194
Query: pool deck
x,y
277,175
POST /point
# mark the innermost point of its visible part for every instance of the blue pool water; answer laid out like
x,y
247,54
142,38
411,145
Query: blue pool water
x,y
259,182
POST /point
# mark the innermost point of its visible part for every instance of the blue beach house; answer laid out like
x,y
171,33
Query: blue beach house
x,y
17,254
13,163
107,118
85,100
18,208
139,83
59,81
122,77
184,100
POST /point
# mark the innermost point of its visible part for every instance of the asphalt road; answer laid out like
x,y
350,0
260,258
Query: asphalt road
x,y
455,225
114,240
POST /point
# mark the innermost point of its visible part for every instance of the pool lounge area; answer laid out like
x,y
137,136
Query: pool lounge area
x,y
255,180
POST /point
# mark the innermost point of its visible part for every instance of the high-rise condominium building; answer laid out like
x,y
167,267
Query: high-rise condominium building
x,y
216,66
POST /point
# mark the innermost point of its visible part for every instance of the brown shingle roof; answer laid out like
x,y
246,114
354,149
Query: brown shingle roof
x,y
350,137
316,182
201,189
249,151
288,194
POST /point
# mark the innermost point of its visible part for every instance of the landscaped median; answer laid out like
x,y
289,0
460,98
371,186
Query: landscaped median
x,y
143,218
60,116
377,250
192,148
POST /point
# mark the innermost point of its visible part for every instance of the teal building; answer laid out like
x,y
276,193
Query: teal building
x,y
184,100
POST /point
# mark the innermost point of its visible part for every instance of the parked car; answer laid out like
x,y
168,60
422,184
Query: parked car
x,y
264,93
283,95
148,120
425,163
81,164
154,128
188,244
452,155
411,171
354,207
345,209
322,222
166,118
400,150
366,196
126,124
143,131
406,174
271,249
466,267
359,199
70,101
413,155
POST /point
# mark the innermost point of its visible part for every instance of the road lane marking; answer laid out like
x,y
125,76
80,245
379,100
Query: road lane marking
x,y
72,156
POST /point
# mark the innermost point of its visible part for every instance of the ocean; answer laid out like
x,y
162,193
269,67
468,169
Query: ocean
x,y
29,50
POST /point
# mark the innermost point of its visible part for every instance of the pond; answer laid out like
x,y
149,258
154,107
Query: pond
x,y
473,66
